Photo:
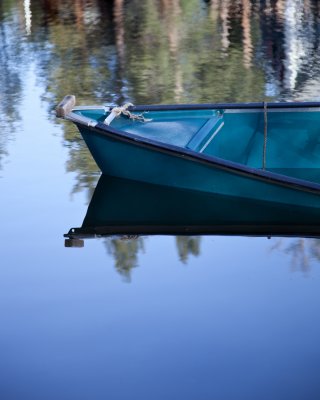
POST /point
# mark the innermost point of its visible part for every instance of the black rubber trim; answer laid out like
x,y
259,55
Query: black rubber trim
x,y
217,230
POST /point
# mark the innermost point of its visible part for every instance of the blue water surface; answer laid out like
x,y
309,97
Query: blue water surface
x,y
163,317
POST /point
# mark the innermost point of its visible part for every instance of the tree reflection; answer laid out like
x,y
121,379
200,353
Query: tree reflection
x,y
188,245
12,54
125,250
302,252
125,254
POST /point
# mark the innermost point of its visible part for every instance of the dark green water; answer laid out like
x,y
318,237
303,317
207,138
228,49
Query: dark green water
x,y
159,317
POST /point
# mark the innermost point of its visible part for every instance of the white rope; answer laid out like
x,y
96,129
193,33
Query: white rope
x,y
123,110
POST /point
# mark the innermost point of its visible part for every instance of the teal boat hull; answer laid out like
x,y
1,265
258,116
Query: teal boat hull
x,y
131,159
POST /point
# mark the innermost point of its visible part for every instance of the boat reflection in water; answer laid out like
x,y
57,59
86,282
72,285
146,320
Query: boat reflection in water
x,y
125,207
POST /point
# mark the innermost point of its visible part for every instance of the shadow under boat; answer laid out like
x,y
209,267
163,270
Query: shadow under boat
x,y
126,207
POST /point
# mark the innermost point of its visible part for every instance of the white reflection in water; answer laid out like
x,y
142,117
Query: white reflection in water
x,y
225,29
247,40
294,41
28,15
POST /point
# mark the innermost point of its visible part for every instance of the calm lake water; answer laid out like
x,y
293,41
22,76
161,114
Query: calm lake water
x,y
160,317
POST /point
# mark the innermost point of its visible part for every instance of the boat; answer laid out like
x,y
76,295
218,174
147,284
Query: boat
x,y
267,152
127,208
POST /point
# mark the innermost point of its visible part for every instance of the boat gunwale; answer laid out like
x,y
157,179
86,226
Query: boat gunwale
x,y
241,169
227,106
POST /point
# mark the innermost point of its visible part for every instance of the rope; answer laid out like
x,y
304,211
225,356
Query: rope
x,y
265,135
123,110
